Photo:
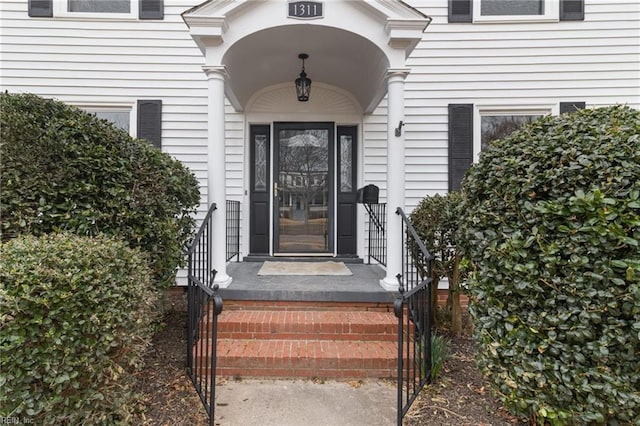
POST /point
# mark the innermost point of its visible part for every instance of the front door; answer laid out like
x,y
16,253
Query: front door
x,y
303,188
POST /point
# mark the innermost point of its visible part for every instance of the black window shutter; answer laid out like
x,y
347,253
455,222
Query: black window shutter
x,y
150,121
460,10
41,8
571,106
572,10
460,143
151,9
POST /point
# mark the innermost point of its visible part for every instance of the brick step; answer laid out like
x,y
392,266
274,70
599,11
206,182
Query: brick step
x,y
308,325
306,358
305,340
288,305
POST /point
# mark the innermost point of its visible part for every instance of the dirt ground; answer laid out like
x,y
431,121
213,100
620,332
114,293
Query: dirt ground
x,y
460,396
168,397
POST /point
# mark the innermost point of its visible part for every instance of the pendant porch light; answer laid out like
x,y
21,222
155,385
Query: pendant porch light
x,y
303,83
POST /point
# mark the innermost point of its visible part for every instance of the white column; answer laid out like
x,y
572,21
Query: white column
x,y
216,178
395,175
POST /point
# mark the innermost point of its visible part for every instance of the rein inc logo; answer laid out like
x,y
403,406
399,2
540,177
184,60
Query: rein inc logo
x,y
15,420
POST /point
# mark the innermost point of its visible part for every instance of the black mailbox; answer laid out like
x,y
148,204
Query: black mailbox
x,y
368,194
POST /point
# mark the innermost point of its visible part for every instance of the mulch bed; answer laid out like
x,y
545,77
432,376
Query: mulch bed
x,y
168,397
459,397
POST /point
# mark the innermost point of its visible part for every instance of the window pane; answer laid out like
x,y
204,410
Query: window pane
x,y
511,7
100,6
495,127
260,170
119,118
346,162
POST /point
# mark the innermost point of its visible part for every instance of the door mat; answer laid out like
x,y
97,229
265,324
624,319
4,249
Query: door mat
x,y
304,268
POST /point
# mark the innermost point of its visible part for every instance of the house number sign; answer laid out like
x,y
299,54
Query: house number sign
x,y
305,9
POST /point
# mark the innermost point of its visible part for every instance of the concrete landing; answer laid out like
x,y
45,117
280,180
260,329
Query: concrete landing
x,y
305,402
362,286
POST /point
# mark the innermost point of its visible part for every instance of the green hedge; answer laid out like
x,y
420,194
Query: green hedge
x,y
64,169
435,219
551,221
76,317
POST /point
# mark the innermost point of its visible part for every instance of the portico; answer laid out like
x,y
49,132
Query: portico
x,y
357,58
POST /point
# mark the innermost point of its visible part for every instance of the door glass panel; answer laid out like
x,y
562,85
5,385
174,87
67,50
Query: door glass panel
x,y
260,166
303,190
346,163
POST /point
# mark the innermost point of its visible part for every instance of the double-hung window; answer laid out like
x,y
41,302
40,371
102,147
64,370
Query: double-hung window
x,y
505,11
516,10
493,123
473,127
97,9
141,119
120,116
122,9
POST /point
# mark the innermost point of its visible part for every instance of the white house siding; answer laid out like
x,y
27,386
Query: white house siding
x,y
116,62
595,61
375,149
113,61
119,61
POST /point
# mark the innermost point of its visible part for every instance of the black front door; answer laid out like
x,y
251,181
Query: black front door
x,y
303,188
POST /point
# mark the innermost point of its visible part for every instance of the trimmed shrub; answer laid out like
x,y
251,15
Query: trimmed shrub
x,y
75,319
64,169
435,219
551,222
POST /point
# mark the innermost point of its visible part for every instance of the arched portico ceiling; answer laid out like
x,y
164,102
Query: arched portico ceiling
x,y
351,47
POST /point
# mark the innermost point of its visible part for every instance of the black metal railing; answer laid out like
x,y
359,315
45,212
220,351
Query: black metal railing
x,y
204,306
414,324
377,235
233,230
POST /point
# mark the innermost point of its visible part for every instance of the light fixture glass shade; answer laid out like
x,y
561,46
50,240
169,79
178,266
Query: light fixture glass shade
x,y
303,87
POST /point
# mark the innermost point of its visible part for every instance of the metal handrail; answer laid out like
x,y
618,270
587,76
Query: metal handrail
x,y
233,230
377,243
414,235
198,235
411,307
204,306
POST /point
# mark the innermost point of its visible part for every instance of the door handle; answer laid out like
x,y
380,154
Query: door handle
x,y
275,189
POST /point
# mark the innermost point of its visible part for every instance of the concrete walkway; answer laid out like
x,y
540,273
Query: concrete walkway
x,y
266,402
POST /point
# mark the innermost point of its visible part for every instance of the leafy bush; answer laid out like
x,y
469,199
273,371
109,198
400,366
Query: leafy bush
x,y
551,221
76,316
435,220
64,169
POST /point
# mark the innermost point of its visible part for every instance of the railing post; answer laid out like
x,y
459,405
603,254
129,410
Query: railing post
x,y
217,309
398,310
189,311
